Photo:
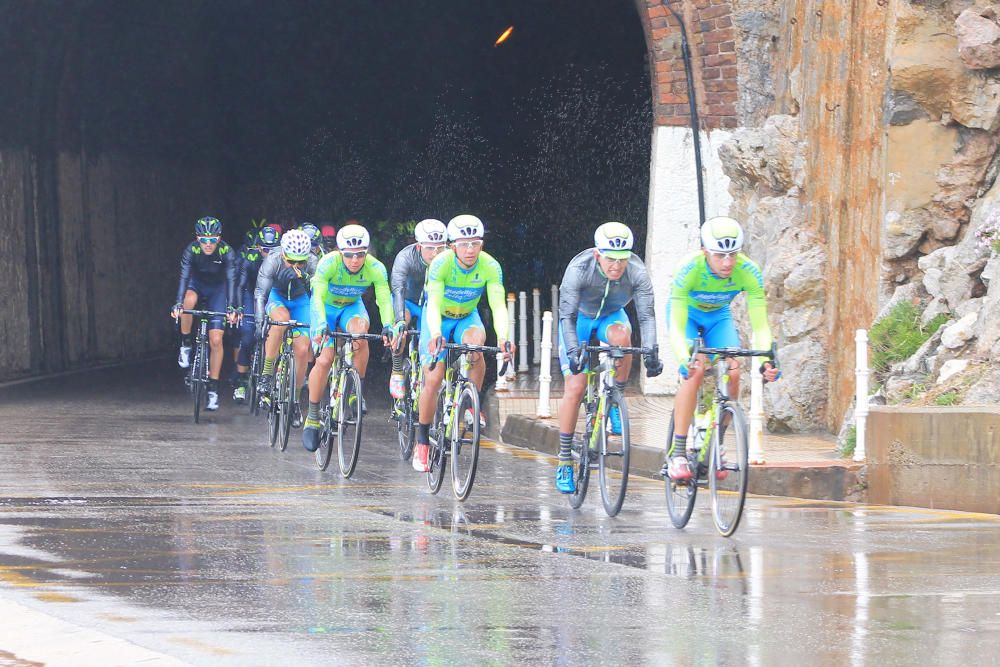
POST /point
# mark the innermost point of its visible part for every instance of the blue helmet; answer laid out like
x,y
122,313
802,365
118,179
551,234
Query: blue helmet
x,y
208,226
315,236
268,238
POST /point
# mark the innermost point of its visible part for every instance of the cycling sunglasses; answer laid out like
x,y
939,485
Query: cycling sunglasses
x,y
724,255
298,264
208,239
353,255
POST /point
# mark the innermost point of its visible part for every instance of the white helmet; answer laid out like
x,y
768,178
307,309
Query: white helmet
x,y
465,226
614,239
721,234
430,232
352,237
296,245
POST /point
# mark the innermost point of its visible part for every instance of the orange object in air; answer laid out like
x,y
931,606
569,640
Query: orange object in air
x,y
503,37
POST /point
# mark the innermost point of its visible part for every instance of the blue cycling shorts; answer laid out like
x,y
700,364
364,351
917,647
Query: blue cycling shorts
x,y
338,317
715,328
586,327
298,309
415,310
452,331
214,298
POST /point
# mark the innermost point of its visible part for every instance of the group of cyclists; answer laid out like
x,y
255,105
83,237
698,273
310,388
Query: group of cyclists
x,y
315,277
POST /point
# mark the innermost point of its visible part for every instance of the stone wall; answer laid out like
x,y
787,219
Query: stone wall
x,y
92,244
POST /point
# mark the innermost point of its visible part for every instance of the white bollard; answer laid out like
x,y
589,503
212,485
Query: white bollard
x,y
511,328
861,397
501,379
555,317
522,357
545,370
536,325
756,453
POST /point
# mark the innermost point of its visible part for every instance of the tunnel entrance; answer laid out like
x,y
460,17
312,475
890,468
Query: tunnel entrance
x,y
130,120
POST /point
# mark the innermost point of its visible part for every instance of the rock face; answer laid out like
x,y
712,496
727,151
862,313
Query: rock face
x,y
978,38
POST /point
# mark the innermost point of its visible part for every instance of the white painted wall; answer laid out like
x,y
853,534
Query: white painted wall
x,y
672,223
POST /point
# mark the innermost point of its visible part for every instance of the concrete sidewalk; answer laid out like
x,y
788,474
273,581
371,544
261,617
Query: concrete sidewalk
x,y
798,465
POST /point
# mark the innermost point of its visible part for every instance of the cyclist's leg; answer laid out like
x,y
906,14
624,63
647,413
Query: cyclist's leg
x,y
569,407
429,392
299,310
191,297
317,385
396,386
470,330
615,329
684,402
354,319
215,300
277,311
721,331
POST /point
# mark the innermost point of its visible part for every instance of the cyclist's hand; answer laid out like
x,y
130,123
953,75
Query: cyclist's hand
x,y
231,315
575,360
508,348
770,372
388,335
398,335
175,312
435,345
653,365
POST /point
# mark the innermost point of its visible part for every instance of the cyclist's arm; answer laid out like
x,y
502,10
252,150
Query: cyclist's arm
x,y
383,297
245,266
644,309
569,305
232,296
756,307
186,258
434,291
678,317
397,281
496,296
320,280
265,279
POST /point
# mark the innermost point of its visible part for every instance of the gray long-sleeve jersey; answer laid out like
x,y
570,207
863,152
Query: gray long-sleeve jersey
x,y
407,280
585,289
265,279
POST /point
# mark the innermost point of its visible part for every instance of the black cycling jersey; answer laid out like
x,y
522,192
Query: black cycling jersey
x,y
214,269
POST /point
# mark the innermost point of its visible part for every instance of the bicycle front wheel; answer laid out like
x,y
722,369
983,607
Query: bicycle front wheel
x,y
273,417
252,396
437,458
325,451
728,468
198,381
289,393
350,416
680,495
403,414
583,457
465,441
614,453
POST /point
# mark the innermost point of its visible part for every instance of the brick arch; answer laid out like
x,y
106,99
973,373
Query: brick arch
x,y
712,39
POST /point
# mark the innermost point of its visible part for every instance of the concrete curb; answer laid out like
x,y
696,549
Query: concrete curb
x,y
816,482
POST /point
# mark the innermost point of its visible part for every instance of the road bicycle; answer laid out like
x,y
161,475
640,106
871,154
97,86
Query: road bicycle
x,y
197,375
342,412
718,446
603,444
284,398
404,410
253,377
454,432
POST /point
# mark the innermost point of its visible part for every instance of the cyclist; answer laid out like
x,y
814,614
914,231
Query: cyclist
x,y
409,271
267,240
315,237
704,285
208,272
329,233
456,280
597,285
283,294
342,277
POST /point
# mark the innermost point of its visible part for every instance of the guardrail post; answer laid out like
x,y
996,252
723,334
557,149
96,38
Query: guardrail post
x,y
861,397
555,317
545,370
536,325
511,329
756,453
522,310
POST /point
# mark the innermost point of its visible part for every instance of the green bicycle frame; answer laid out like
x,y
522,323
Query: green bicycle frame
x,y
454,388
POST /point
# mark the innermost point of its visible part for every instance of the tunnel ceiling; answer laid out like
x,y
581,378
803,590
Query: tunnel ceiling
x,y
328,110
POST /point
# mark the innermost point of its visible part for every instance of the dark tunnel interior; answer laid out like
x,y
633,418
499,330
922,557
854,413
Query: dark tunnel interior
x,y
124,121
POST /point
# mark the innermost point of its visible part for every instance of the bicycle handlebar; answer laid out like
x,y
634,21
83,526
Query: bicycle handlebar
x,y
203,313
697,349
353,336
462,348
286,323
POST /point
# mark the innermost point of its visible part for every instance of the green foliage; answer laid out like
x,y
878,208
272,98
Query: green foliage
x,y
947,398
390,237
899,334
850,442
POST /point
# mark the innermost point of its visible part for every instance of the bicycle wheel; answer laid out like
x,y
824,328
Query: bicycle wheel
x,y
680,495
403,414
437,458
349,418
283,388
581,454
252,396
728,469
325,451
198,381
272,413
614,455
465,441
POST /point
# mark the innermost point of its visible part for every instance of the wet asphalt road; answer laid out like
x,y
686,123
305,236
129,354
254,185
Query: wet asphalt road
x,y
198,541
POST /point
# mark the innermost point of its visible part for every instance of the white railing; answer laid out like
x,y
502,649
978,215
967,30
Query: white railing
x,y
861,395
756,453
545,369
536,328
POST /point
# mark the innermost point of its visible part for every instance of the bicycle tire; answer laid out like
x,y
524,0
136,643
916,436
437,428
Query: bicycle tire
x,y
252,395
465,442
349,419
273,418
198,382
729,494
581,470
437,458
403,412
324,453
284,403
614,445
680,496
